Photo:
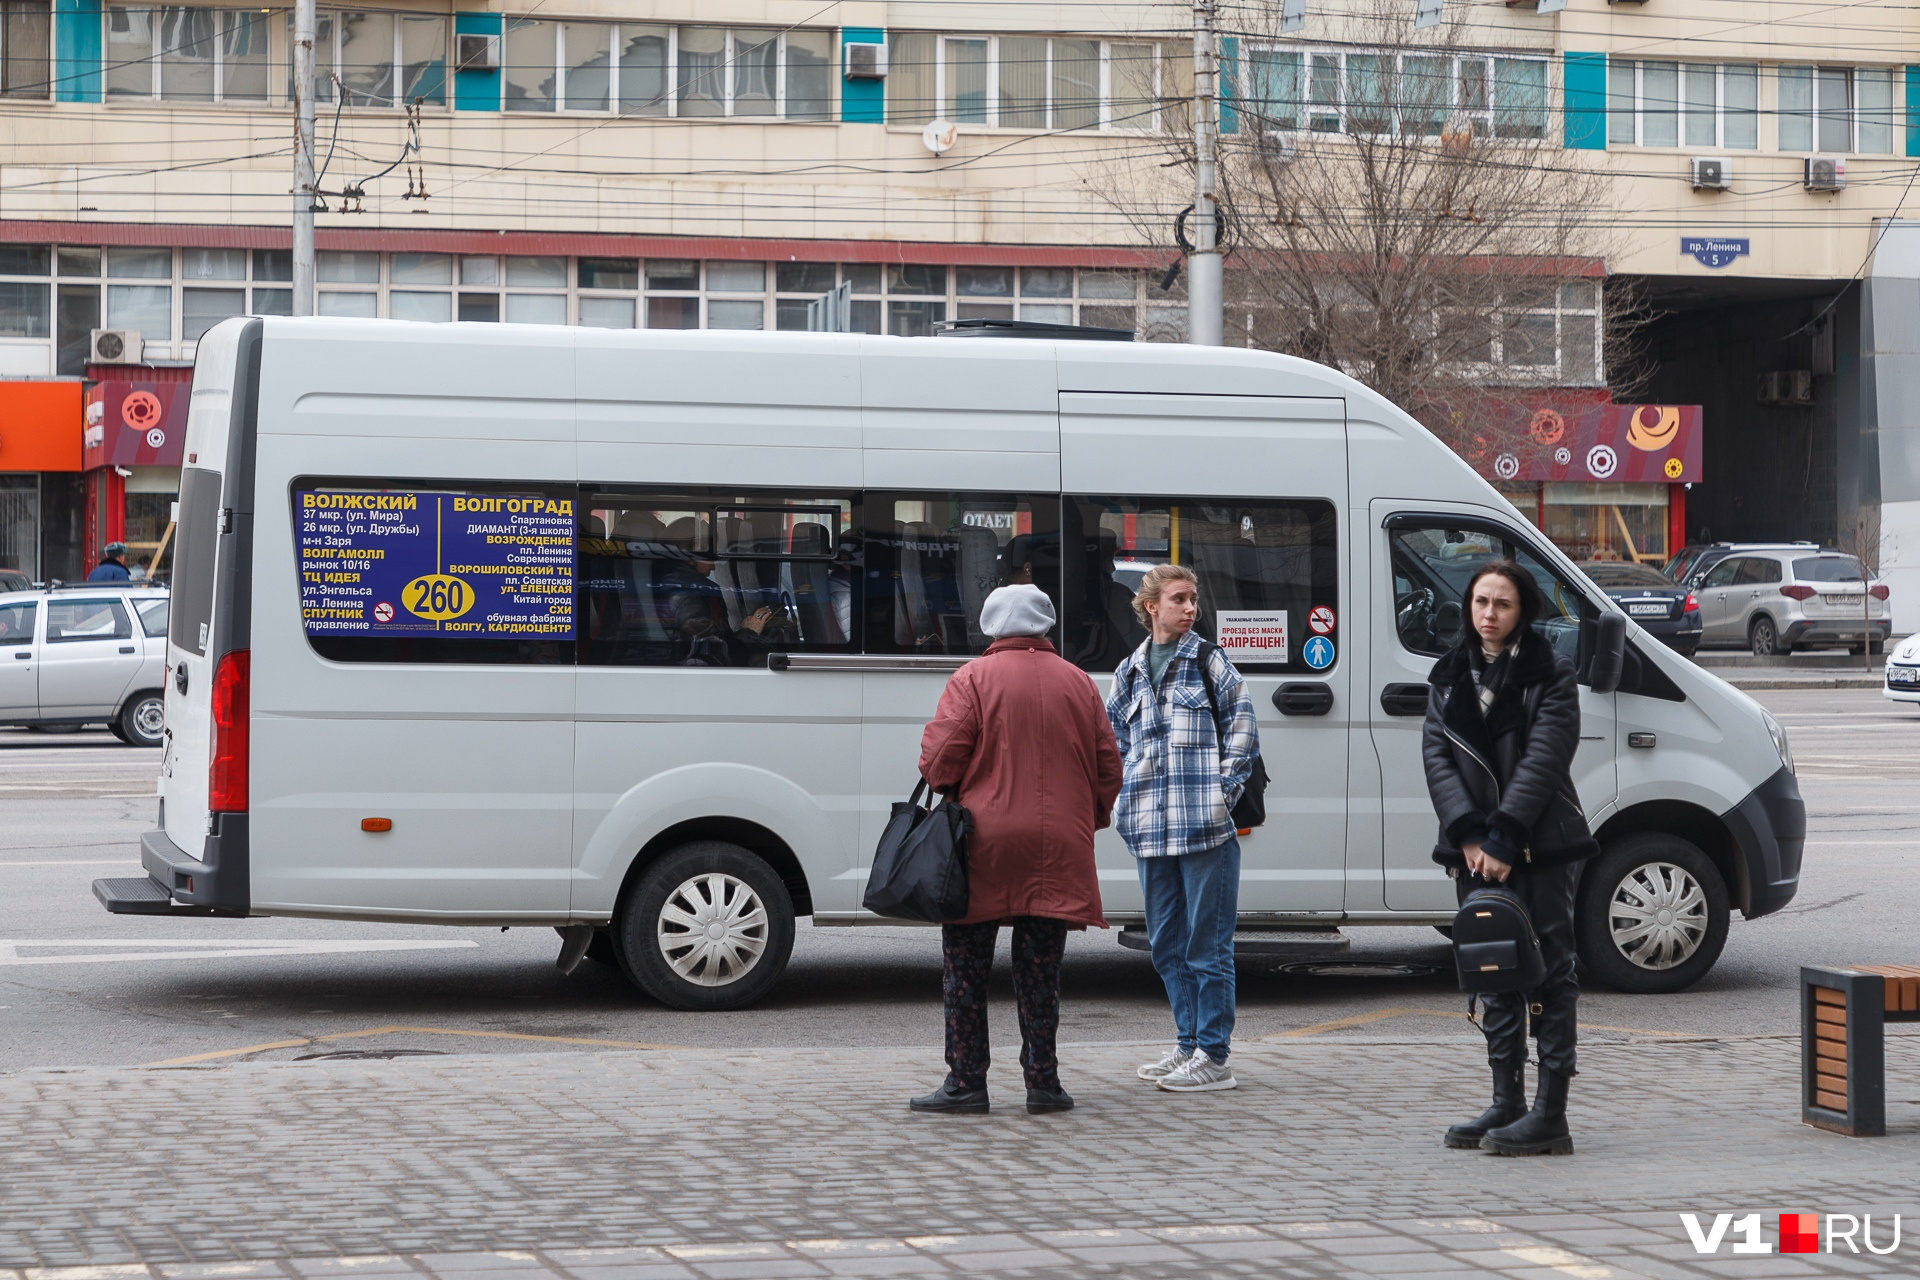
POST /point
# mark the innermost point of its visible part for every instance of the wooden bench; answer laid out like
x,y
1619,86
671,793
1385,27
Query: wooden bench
x,y
1843,1063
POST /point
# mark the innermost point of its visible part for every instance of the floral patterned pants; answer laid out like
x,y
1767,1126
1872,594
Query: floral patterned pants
x,y
967,960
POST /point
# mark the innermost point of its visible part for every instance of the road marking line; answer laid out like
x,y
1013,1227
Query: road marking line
x,y
1401,1011
9,949
400,1029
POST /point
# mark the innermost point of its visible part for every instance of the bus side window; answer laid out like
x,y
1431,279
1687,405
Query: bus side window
x,y
711,578
933,558
1265,563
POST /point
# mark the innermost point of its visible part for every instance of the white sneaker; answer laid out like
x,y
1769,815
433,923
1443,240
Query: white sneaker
x,y
1175,1059
1199,1074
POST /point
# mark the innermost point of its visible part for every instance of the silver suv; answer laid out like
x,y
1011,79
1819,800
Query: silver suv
x,y
1778,600
93,653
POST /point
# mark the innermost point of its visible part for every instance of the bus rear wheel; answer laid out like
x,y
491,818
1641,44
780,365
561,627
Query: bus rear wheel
x,y
707,926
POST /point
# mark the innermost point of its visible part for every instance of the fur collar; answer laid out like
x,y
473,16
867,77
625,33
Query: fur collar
x,y
1532,665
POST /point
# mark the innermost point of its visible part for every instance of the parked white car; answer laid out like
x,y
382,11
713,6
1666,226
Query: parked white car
x,y
91,653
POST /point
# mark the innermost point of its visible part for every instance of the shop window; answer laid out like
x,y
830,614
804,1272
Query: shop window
x,y
1618,521
19,547
146,307
606,313
413,304
26,29
201,309
706,578
358,306
933,558
23,309
1262,564
78,263
609,273
273,264
139,264
480,308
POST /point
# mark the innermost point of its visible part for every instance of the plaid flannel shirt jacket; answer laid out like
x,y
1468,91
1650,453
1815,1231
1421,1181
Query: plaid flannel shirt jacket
x,y
1179,787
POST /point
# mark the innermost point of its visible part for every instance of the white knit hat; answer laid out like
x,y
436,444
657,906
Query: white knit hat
x,y
1018,610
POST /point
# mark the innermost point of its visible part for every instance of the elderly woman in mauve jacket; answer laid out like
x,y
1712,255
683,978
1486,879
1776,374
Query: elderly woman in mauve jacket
x,y
1022,735
1503,720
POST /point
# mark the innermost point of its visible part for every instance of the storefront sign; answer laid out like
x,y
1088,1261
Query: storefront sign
x,y
136,423
1713,251
1599,442
40,425
411,562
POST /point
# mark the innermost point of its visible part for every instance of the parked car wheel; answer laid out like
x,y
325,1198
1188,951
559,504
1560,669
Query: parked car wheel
x,y
143,720
708,926
1764,639
1652,915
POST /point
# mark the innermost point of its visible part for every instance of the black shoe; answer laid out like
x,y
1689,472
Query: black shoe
x,y
1041,1101
1540,1132
1509,1104
952,1099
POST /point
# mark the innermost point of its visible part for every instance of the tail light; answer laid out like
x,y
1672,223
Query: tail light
x,y
1692,605
1798,591
227,776
1879,591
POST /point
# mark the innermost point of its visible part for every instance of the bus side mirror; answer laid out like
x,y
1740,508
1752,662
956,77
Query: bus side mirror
x,y
1609,653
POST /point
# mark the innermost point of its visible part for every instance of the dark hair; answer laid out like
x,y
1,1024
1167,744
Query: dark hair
x,y
1532,603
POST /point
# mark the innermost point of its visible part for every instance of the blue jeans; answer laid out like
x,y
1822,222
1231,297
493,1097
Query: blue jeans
x,y
1193,901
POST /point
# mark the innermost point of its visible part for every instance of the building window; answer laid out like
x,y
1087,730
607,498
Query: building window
x,y
1036,83
646,69
187,54
380,59
1837,109
24,291
26,28
1335,91
1549,335
1693,104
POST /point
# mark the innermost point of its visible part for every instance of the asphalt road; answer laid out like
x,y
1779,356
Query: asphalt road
x,y
80,987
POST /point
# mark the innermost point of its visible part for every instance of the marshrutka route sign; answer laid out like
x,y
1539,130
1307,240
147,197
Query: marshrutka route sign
x,y
429,562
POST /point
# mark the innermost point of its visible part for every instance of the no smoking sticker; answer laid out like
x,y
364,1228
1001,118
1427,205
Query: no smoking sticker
x,y
383,612
1320,620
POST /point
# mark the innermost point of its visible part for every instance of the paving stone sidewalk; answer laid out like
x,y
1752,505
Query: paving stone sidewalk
x,y
1325,1162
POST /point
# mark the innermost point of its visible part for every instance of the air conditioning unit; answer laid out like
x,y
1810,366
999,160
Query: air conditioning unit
x,y
1786,386
1826,173
476,52
1710,173
114,346
866,61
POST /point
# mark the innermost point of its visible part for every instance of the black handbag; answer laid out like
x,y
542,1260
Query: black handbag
x,y
920,865
1494,945
1250,810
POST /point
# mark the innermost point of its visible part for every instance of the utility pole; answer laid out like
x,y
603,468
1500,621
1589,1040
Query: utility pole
x,y
303,181
1205,307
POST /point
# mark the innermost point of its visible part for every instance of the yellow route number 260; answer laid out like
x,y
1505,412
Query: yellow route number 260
x,y
438,596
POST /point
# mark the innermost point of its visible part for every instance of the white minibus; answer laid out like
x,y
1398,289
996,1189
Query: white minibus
x,y
633,634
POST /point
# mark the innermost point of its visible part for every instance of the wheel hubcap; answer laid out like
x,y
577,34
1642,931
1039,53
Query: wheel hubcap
x,y
713,929
1658,915
150,717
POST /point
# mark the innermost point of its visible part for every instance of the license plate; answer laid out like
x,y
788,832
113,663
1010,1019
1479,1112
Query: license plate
x,y
1900,675
1854,601
1648,610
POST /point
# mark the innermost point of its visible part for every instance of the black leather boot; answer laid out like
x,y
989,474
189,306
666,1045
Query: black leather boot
x,y
1509,1104
1047,1099
1543,1130
952,1098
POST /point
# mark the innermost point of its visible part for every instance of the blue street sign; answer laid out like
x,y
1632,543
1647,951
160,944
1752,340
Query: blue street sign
x,y
1318,651
1712,251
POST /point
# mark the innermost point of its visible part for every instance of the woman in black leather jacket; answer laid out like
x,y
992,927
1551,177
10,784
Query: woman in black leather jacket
x,y
1503,720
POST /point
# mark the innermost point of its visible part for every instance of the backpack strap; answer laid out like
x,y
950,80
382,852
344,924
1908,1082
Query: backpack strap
x,y
1207,648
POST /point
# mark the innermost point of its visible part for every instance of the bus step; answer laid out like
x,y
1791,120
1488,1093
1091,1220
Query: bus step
x,y
142,897
1266,942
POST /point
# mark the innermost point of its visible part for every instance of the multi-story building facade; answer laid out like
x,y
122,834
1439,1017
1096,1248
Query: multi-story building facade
x,y
655,163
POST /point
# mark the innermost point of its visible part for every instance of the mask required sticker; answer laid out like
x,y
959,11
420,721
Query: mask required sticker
x,y
395,562
1252,635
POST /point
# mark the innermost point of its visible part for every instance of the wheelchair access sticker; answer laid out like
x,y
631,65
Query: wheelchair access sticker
x,y
1318,652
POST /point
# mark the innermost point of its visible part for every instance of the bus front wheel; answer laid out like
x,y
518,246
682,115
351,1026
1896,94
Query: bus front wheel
x,y
707,926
